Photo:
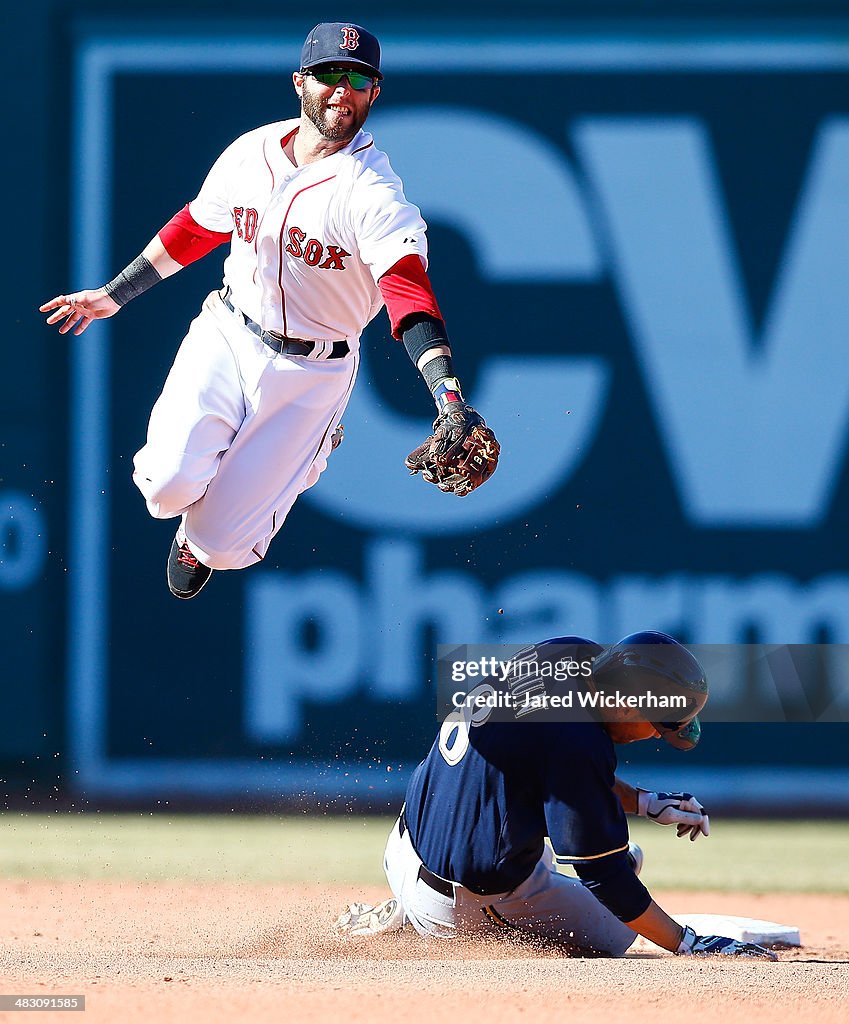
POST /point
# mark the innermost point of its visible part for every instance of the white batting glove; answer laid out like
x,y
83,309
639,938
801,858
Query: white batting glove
x,y
712,945
681,809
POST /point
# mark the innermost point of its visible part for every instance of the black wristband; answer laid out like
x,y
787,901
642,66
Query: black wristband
x,y
421,331
436,370
133,280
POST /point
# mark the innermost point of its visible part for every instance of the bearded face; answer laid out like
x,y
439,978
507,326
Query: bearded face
x,y
338,112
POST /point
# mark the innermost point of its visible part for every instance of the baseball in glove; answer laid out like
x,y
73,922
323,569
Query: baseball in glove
x,y
461,453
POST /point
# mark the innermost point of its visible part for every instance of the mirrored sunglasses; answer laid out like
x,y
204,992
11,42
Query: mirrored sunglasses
x,y
333,76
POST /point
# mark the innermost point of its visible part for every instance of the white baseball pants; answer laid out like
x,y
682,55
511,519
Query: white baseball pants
x,y
546,905
236,435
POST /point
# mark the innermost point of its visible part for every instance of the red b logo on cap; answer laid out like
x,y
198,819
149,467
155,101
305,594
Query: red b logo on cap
x,y
350,39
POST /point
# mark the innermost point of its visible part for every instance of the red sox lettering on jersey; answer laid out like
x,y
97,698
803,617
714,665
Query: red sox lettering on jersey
x,y
313,252
245,221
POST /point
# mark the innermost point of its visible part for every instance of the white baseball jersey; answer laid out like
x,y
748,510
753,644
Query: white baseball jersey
x,y
309,243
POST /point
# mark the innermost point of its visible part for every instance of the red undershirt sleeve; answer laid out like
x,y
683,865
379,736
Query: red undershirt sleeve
x,y
186,241
406,289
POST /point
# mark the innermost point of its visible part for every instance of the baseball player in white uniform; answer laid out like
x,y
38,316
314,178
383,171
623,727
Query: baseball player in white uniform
x,y
321,237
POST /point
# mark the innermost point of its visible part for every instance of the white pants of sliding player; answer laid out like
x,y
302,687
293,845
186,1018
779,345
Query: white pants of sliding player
x,y
546,905
236,435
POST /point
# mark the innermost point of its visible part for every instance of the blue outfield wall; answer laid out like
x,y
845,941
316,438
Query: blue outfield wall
x,y
638,238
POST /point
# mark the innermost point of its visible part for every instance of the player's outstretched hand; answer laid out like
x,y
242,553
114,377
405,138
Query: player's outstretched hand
x,y
681,809
79,309
721,945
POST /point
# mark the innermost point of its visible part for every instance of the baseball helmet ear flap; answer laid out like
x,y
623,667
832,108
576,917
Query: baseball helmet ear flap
x,y
682,737
649,659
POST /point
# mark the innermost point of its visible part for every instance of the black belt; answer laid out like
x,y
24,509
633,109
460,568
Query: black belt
x,y
279,343
440,885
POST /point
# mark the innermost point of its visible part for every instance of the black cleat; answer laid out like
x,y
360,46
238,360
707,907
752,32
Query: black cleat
x,y
186,575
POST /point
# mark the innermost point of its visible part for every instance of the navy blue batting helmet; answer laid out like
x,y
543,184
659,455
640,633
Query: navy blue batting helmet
x,y
650,660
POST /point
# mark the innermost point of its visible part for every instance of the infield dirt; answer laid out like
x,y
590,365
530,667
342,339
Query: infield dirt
x,y
166,952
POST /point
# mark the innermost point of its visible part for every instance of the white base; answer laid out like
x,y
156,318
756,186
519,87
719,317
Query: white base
x,y
745,929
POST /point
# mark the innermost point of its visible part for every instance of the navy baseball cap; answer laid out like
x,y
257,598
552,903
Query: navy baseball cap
x,y
334,41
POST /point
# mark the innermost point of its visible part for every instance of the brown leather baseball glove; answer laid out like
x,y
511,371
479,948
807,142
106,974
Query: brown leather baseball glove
x,y
461,453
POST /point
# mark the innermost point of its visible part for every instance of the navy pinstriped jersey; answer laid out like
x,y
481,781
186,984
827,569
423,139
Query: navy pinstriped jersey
x,y
482,820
